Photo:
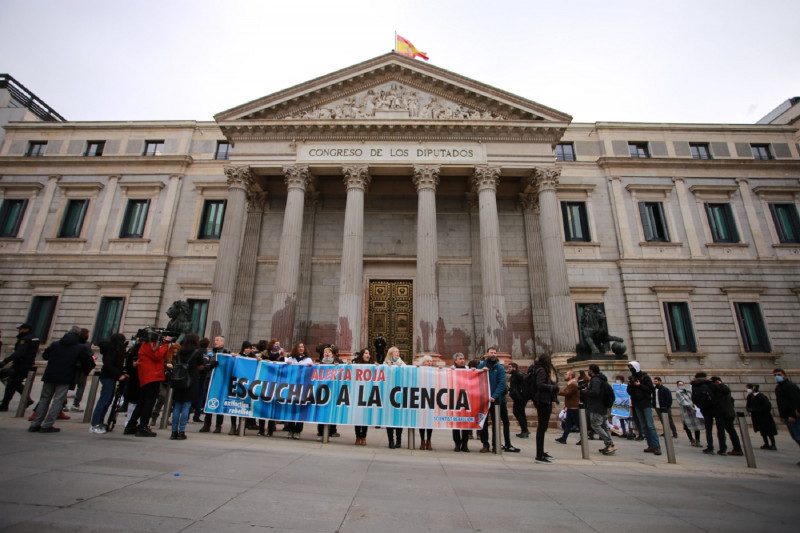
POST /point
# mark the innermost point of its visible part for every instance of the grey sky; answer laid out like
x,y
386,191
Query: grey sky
x,y
696,61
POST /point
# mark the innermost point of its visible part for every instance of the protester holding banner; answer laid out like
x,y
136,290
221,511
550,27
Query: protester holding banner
x,y
497,390
364,357
691,423
394,434
327,357
425,434
298,356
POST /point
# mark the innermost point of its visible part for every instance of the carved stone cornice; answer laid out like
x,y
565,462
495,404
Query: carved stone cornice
x,y
296,177
426,177
239,177
545,178
529,202
485,177
356,177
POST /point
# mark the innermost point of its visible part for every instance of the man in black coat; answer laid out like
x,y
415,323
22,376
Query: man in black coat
x,y
787,396
640,389
22,360
662,400
62,357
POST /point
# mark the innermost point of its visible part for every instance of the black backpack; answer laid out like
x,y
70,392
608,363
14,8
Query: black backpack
x,y
607,394
703,397
180,377
529,383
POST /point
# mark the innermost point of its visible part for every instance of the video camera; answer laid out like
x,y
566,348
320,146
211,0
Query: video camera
x,y
154,334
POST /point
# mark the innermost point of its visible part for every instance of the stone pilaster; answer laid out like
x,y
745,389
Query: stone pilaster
x,y
164,236
559,304
240,179
426,289
348,330
105,211
41,217
485,180
542,341
246,278
287,274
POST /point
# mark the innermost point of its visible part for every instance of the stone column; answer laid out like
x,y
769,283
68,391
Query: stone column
x,y
688,220
284,302
105,211
240,179
559,304
485,180
248,262
162,240
351,292
762,248
426,289
542,341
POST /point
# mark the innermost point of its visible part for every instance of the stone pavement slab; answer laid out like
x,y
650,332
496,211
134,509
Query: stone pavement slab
x,y
77,481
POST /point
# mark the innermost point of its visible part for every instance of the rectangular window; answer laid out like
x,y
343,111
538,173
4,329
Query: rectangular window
x,y
153,147
565,152
108,318
72,223
576,223
700,150
199,309
223,150
639,150
36,148
134,220
95,148
787,223
761,151
751,327
211,221
11,213
679,327
654,224
720,219
40,315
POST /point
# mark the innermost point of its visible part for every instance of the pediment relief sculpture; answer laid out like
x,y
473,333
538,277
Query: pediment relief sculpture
x,y
394,100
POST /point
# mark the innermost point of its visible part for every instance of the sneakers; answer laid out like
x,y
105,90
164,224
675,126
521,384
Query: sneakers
x,y
608,450
129,430
736,452
97,429
145,432
34,429
561,441
332,435
181,435
544,460
523,435
511,449
63,416
76,409
708,451
722,452
49,430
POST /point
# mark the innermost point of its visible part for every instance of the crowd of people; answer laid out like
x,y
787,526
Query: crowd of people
x,y
141,372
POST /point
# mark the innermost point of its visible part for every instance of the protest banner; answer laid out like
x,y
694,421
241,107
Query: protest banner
x,y
622,401
362,395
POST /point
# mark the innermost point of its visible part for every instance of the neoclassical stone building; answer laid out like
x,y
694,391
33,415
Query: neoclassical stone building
x,y
396,197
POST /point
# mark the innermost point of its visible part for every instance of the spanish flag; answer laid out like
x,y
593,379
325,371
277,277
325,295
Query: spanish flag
x,y
404,46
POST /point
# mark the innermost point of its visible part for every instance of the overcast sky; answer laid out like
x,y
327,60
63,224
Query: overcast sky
x,y
698,61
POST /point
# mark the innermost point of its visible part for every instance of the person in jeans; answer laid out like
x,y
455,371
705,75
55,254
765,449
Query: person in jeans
x,y
572,401
640,389
191,355
593,395
113,352
787,396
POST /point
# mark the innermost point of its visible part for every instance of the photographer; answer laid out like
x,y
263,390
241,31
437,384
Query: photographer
x,y
151,359
640,389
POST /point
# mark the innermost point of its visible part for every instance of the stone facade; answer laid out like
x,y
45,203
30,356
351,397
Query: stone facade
x,y
397,170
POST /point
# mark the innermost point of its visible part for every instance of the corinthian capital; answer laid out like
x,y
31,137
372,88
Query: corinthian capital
x,y
239,177
356,177
529,202
485,178
545,178
296,177
426,177
256,199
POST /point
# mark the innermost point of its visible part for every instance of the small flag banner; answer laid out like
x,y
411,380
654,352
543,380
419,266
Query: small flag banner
x,y
404,46
359,395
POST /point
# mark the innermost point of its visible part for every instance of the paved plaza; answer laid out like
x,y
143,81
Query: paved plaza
x,y
77,481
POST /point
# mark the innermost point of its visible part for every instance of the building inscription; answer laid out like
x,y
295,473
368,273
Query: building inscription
x,y
415,153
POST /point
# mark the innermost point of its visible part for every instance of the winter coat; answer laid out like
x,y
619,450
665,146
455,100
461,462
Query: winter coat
x,y
760,410
151,363
664,397
113,360
641,395
708,411
688,413
515,386
787,395
593,395
63,357
723,394
23,357
546,390
194,358
571,394
497,381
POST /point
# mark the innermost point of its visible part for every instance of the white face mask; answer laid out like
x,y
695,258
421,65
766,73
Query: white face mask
x,y
748,392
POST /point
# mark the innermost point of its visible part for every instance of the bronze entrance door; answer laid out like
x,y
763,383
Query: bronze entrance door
x,y
390,313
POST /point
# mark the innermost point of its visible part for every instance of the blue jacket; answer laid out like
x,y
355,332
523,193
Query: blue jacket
x,y
497,381
664,398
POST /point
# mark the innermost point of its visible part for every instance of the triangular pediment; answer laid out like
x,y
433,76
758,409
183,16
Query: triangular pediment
x,y
392,87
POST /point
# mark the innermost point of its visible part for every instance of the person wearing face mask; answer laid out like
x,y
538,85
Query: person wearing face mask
x,y
497,391
393,358
640,389
691,423
760,410
327,358
787,395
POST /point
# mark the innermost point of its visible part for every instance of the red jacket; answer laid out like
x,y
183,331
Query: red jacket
x,y
151,363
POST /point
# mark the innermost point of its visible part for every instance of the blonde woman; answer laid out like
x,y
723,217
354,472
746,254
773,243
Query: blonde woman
x,y
393,359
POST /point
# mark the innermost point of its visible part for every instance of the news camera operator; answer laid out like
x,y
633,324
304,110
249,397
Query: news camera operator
x,y
151,358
